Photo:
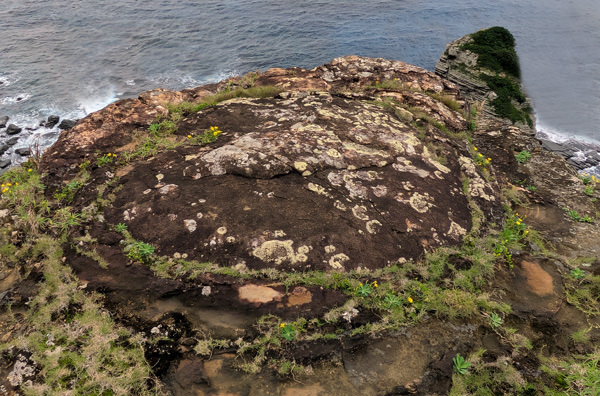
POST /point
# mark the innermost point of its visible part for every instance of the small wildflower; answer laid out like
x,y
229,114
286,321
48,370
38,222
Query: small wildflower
x,y
29,170
282,325
410,300
375,284
489,159
475,148
189,136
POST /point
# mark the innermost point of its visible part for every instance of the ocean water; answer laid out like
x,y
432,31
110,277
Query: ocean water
x,y
74,57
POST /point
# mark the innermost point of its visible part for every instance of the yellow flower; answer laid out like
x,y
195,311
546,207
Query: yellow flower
x,y
410,300
375,284
282,325
489,159
29,170
189,136
474,148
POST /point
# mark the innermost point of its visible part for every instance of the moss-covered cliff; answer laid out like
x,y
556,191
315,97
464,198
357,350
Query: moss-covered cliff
x,y
358,228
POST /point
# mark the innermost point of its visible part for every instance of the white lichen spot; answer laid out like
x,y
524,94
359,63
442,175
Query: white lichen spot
x,y
373,226
304,249
190,225
456,230
360,212
184,256
300,166
202,200
278,252
167,188
329,249
339,205
230,239
160,176
147,191
306,173
172,216
407,185
380,190
318,189
420,202
333,153
337,261
409,168
477,186
222,230
206,291
279,233
176,255
199,215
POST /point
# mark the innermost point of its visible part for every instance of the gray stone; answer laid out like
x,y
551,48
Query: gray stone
x,y
52,121
67,124
23,151
3,148
13,129
12,141
4,163
3,121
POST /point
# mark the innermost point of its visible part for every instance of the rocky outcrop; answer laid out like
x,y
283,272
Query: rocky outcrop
x,y
325,179
295,216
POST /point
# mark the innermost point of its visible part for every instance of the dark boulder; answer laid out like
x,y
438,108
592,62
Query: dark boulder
x,y
3,148
13,129
23,151
12,141
52,121
4,163
67,124
3,121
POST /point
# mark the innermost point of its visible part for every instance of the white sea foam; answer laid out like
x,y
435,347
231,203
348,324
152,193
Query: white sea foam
x,y
21,97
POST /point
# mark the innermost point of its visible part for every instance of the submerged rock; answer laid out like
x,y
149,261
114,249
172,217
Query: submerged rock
x,y
12,129
52,121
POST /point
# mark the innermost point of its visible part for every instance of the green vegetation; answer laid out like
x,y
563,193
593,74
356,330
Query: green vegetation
x,y
578,376
523,156
75,345
511,237
140,251
495,320
508,91
461,366
574,215
495,48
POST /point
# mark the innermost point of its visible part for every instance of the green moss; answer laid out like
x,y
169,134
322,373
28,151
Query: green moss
x,y
495,48
508,91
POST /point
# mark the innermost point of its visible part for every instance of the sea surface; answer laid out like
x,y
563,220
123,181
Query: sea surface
x,y
72,57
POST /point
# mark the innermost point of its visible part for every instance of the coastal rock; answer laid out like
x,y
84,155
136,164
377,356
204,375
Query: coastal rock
x,y
67,124
23,151
303,180
3,148
4,163
3,121
12,129
52,121
12,141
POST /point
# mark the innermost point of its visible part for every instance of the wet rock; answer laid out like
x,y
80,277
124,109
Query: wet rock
x,y
12,141
67,124
23,151
12,129
4,163
52,121
3,121
3,148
